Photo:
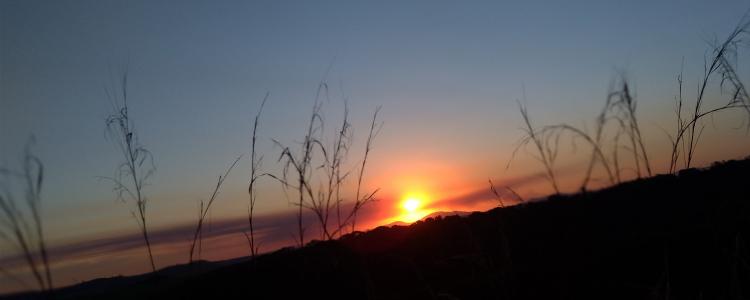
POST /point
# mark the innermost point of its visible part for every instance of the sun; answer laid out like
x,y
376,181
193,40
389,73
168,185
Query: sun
x,y
413,208
411,204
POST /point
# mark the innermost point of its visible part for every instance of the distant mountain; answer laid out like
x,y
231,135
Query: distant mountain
x,y
433,215
444,214
397,223
683,236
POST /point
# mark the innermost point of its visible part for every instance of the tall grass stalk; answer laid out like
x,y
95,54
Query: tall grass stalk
x,y
137,165
197,235
255,164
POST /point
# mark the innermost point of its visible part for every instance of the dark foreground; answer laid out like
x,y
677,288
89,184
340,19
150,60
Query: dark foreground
x,y
667,237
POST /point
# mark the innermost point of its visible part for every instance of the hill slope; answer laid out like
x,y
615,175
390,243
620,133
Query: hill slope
x,y
681,236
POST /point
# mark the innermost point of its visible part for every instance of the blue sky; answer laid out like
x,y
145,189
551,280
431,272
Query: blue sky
x,y
447,74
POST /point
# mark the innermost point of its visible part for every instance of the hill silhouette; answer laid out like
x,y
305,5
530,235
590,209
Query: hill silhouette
x,y
437,214
681,236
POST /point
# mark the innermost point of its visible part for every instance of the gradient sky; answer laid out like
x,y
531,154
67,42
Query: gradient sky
x,y
447,74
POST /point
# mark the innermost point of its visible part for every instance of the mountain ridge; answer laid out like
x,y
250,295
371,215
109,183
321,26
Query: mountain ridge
x,y
683,235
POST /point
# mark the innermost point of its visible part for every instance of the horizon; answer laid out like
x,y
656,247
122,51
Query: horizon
x,y
449,79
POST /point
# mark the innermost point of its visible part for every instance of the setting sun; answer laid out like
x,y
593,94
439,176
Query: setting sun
x,y
413,208
411,204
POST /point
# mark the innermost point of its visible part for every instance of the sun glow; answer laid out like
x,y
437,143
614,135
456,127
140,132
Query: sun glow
x,y
413,208
411,204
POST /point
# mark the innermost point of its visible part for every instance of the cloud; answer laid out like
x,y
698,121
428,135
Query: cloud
x,y
484,194
274,230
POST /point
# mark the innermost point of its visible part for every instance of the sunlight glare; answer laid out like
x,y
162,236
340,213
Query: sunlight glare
x,y
411,204
413,208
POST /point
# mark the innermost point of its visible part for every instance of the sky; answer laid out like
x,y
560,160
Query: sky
x,y
447,75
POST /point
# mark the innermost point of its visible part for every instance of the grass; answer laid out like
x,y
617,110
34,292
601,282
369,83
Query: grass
x,y
689,130
319,189
197,235
255,164
618,121
23,227
136,167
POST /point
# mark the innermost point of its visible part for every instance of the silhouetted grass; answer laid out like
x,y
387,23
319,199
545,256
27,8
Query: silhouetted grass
x,y
197,235
620,109
545,145
500,198
22,227
136,167
255,164
359,202
688,131
301,165
616,119
327,200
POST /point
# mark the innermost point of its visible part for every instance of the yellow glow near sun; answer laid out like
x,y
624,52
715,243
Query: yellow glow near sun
x,y
412,207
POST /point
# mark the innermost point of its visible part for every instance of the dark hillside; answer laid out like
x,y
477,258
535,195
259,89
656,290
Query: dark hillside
x,y
666,237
